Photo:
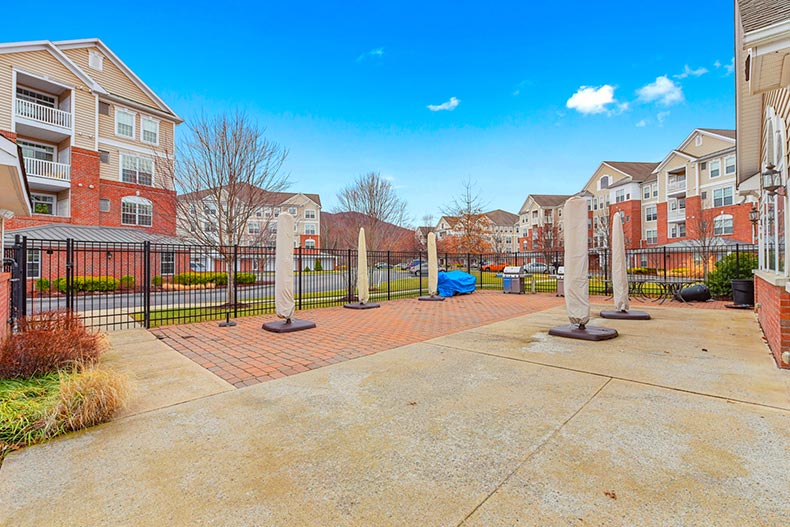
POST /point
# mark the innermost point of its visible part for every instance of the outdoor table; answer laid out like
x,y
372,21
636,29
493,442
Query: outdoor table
x,y
669,287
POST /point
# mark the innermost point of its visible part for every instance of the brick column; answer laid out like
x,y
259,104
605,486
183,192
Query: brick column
x,y
84,187
774,317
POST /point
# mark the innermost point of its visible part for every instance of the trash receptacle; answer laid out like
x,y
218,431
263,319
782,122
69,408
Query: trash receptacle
x,y
743,292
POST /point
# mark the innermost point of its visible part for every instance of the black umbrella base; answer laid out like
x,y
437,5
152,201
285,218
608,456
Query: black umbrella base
x,y
288,326
360,305
572,331
625,315
431,298
739,306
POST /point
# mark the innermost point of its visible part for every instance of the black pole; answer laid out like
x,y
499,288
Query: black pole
x,y
350,285
737,260
389,270
299,270
235,281
665,263
147,284
69,272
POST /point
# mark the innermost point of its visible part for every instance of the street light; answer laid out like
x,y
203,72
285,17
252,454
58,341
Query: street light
x,y
754,215
772,179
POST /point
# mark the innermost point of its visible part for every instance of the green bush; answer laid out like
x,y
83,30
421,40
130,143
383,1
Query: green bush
x,y
318,266
127,282
88,284
156,281
642,270
42,284
731,267
195,278
245,278
306,269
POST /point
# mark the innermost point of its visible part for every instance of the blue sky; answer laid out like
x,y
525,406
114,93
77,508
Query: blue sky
x,y
520,98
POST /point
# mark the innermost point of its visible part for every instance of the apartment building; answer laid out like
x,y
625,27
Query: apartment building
x,y
498,229
762,87
540,222
97,142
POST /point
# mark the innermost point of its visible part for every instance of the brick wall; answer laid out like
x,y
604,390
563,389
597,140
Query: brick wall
x,y
632,223
774,317
5,306
162,200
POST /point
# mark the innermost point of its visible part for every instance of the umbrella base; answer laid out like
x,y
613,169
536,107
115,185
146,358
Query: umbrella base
x,y
431,298
739,306
288,326
573,331
360,305
625,315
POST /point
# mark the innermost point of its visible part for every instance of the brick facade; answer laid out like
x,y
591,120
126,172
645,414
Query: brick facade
x,y
632,222
5,303
773,314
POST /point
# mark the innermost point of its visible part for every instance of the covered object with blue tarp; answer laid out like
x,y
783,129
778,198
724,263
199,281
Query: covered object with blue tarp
x,y
455,282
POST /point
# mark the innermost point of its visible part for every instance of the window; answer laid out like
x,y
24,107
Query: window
x,y
703,166
43,204
619,196
138,170
95,60
646,192
276,211
124,123
292,211
309,228
715,168
652,236
309,214
167,263
651,213
267,212
136,211
595,203
104,205
722,197
729,165
603,182
655,190
34,263
38,151
309,243
150,130
253,227
722,225
104,108
42,99
259,213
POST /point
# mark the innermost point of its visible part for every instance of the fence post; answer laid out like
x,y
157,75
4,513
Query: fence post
x,y
468,263
299,270
235,281
69,272
419,270
480,267
147,284
22,276
389,271
738,258
348,274
665,262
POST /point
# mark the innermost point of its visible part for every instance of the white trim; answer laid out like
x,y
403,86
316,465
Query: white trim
x,y
96,132
132,148
710,168
46,45
121,109
722,183
142,129
120,169
768,33
41,77
137,200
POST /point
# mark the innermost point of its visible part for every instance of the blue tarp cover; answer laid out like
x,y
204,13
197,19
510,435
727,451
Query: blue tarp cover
x,y
454,282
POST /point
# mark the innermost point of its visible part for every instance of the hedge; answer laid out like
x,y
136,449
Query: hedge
x,y
88,284
730,267
195,278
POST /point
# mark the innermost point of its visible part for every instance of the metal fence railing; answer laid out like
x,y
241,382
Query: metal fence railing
x,y
124,285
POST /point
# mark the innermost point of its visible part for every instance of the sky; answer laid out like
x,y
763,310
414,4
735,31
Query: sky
x,y
518,98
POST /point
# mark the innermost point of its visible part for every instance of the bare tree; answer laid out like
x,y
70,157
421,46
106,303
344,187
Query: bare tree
x,y
549,242
471,224
380,210
225,172
703,239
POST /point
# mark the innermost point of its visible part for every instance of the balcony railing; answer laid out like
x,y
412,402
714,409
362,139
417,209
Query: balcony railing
x,y
48,169
43,114
676,215
678,185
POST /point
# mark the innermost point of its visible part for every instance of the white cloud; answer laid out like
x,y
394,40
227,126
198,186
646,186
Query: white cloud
x,y
376,53
641,124
449,106
664,90
687,71
591,100
661,117
730,67
717,64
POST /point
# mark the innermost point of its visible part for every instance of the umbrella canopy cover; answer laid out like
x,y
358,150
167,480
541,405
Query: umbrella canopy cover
x,y
284,267
577,294
433,266
619,271
363,286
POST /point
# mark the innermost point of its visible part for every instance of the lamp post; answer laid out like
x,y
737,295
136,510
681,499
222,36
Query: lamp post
x,y
754,217
771,179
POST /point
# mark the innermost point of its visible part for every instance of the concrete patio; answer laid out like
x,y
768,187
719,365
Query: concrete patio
x,y
682,420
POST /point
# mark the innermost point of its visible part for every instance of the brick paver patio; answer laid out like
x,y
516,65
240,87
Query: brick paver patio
x,y
245,354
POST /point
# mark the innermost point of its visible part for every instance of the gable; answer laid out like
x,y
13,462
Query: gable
x,y
710,143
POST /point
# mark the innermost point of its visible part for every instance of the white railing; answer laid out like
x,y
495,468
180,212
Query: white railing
x,y
48,169
677,214
678,185
43,114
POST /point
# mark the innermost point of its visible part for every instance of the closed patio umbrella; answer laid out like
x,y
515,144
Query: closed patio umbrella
x,y
433,271
620,277
363,283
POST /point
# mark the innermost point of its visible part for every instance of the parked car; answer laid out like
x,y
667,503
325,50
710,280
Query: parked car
x,y
422,269
381,265
498,267
536,268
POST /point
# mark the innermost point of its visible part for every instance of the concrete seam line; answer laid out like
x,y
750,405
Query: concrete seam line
x,y
624,379
144,412
536,449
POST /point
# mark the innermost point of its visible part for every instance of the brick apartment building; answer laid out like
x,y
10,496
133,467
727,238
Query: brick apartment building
x,y
540,222
97,142
498,228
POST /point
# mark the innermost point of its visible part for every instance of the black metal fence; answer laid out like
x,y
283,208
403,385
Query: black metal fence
x,y
124,285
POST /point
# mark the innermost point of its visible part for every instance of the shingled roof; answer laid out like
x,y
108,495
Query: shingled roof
x,y
502,217
720,131
759,14
637,170
550,200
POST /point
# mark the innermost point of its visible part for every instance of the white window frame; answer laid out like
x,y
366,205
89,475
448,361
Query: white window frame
x,y
292,213
122,155
719,224
717,162
655,190
253,227
646,192
41,146
654,213
729,161
170,260
619,195
137,201
310,226
143,120
309,243
35,100
33,257
309,214
723,196
654,236
134,122
35,198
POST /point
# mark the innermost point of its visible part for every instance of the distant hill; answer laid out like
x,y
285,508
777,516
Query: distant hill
x,y
340,230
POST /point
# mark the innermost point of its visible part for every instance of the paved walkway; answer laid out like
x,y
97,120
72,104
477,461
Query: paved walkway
x,y
245,355
682,420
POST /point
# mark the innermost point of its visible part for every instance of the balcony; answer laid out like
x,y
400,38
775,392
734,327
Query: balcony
x,y
676,186
43,122
676,215
48,175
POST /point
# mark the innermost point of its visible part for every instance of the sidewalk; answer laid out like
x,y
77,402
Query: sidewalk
x,y
682,420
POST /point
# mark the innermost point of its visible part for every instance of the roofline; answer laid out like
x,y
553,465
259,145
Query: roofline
x,y
46,45
142,107
90,42
607,163
669,155
764,35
